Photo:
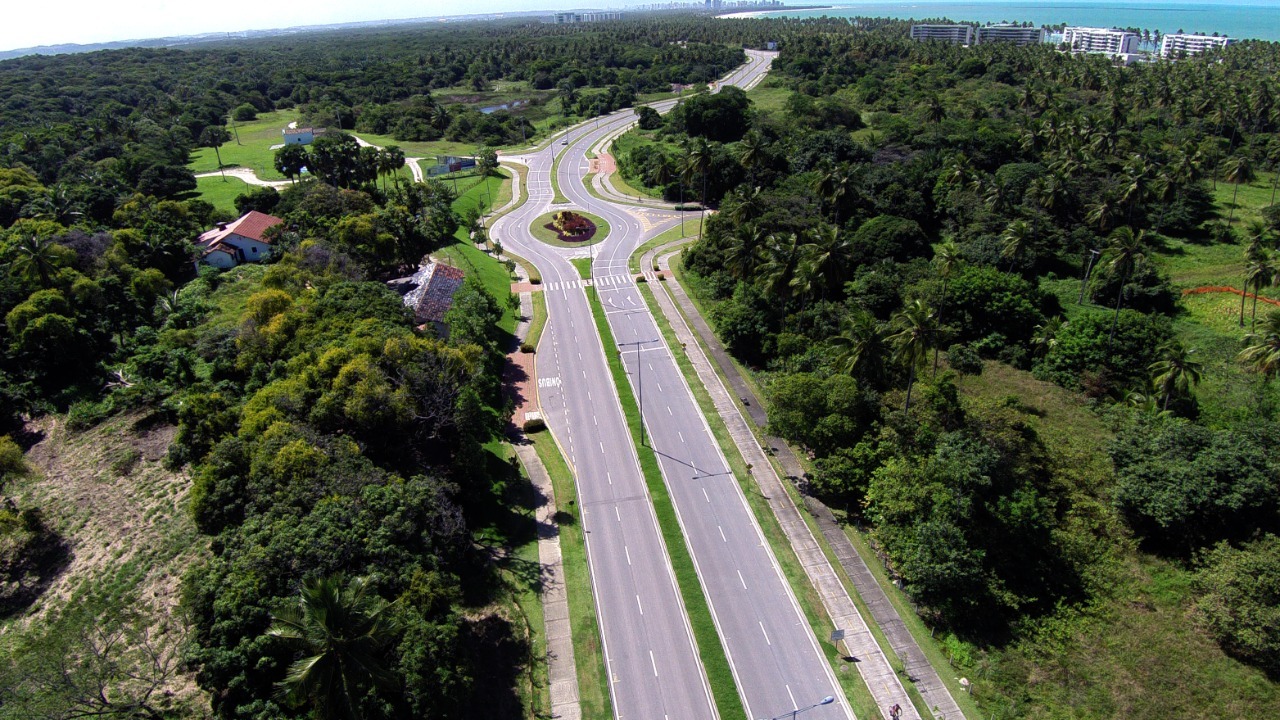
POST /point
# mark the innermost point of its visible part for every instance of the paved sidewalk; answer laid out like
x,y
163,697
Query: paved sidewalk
x,y
876,671
917,667
562,670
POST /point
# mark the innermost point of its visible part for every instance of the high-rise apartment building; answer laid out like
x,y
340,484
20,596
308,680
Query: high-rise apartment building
x,y
1177,44
1010,34
961,34
1100,40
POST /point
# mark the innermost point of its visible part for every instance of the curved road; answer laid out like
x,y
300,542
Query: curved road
x,y
652,661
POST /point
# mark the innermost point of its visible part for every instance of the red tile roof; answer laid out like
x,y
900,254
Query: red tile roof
x,y
251,225
433,296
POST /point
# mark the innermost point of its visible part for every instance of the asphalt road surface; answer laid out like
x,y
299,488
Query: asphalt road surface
x,y
652,662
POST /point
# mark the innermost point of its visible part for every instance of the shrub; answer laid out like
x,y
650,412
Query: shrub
x,y
964,360
527,348
1240,600
534,425
11,460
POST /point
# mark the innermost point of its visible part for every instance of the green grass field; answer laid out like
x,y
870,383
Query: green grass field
x,y
221,193
253,150
475,262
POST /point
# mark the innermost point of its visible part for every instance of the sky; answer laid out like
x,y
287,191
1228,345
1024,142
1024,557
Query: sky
x,y
30,23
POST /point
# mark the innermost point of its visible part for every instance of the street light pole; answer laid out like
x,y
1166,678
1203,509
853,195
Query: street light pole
x,y
640,384
824,701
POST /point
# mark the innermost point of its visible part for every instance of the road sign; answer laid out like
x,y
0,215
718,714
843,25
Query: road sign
x,y
837,635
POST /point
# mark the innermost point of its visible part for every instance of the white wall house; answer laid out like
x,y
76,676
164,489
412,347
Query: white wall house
x,y
300,136
242,241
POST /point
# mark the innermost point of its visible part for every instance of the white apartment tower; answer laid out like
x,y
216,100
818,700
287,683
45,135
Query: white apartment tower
x,y
1010,34
961,34
1100,40
1179,43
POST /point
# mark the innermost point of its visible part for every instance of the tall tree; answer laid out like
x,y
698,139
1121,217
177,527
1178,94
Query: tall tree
x,y
214,136
1237,171
913,328
947,259
1126,252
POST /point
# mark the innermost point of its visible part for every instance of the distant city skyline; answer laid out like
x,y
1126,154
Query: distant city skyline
x,y
84,22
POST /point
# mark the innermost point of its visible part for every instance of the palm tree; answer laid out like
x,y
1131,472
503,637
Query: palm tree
x,y
750,150
829,254
36,258
212,137
1174,371
947,258
1045,337
1126,253
342,628
698,161
914,327
390,159
1101,213
1017,237
744,252
1261,271
782,256
1237,171
1262,348
861,348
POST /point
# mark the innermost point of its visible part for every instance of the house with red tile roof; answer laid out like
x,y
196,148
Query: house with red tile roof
x,y
244,240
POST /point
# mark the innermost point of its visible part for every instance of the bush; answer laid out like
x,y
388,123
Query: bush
x,y
1240,600
534,425
964,360
527,348
11,460
244,113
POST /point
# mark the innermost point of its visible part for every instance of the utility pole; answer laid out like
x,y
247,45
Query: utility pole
x,y
1093,255
639,379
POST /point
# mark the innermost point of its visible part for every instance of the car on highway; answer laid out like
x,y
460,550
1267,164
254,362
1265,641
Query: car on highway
x,y
564,142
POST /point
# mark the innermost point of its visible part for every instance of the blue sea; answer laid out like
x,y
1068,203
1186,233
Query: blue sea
x,y
1240,20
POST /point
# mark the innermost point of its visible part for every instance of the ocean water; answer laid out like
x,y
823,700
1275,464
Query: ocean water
x,y
1258,21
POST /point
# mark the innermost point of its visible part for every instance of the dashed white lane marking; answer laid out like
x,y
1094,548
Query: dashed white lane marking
x,y
722,537
628,552
617,513
641,612
708,497
654,663
762,632
741,580
609,477
669,410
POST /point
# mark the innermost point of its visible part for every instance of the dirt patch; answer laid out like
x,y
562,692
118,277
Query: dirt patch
x,y
122,514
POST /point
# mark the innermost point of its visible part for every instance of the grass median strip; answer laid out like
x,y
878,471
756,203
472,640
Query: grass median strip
x,y
723,687
588,655
855,689
556,197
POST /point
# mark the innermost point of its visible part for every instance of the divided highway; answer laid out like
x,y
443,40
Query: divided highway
x,y
653,666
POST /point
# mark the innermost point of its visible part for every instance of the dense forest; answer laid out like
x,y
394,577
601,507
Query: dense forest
x,y
894,217
896,224
341,473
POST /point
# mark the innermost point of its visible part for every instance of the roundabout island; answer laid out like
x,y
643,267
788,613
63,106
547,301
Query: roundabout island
x,y
570,228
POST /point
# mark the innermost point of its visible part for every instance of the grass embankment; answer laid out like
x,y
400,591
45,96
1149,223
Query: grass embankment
x,y
1138,651
583,266
540,231
519,597
675,233
477,263
588,653
855,689
625,182
123,517
557,197
714,661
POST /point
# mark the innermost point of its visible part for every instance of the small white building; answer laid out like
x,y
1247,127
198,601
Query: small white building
x,y
960,34
1100,40
1171,46
301,136
242,241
